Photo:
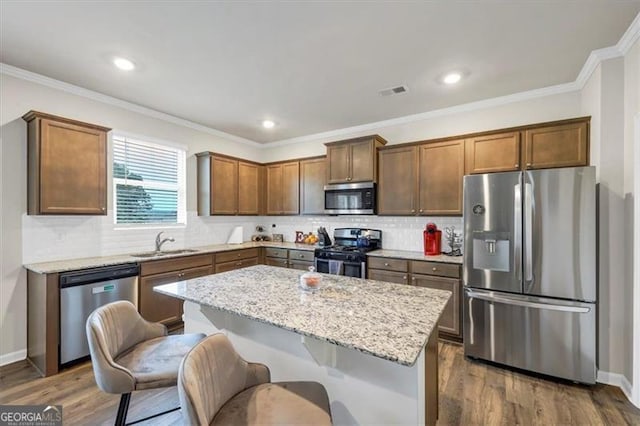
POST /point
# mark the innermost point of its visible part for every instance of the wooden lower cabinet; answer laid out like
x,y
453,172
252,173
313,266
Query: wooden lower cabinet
x,y
236,259
437,275
156,307
450,321
284,258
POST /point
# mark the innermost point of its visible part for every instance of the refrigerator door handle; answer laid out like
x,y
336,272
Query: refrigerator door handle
x,y
517,231
527,304
528,234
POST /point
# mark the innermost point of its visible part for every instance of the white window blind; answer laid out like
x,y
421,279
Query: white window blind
x,y
148,182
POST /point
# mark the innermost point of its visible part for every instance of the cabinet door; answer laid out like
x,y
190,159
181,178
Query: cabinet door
x,y
248,188
313,175
440,171
557,146
388,276
274,189
224,185
397,181
291,188
450,319
362,161
276,261
493,153
237,264
338,163
73,173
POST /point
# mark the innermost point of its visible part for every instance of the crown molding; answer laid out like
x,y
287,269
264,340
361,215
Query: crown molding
x,y
630,36
110,100
457,109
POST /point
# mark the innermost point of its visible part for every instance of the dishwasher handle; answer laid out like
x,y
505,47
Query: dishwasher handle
x,y
88,276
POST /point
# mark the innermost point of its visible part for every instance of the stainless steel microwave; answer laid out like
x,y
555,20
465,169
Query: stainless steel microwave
x,y
350,198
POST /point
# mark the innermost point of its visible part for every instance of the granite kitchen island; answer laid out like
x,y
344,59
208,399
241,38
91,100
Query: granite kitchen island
x,y
373,345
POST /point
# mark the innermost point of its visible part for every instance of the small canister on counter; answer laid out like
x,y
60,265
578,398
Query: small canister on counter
x,y
432,240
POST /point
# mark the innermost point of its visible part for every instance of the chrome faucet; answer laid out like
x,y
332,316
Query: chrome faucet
x,y
160,242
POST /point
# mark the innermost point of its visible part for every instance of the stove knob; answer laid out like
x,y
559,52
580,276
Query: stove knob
x,y
351,257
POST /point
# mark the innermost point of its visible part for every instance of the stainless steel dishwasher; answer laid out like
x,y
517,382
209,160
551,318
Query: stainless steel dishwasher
x,y
82,292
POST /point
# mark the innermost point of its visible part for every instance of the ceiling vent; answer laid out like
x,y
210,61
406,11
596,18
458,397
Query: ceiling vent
x,y
398,90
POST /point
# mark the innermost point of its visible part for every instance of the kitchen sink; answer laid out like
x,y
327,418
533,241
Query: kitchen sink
x,y
162,253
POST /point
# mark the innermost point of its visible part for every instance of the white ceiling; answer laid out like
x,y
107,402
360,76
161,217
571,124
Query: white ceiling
x,y
309,66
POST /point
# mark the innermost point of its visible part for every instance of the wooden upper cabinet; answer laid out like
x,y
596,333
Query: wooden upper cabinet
x,y
67,166
228,186
224,186
353,160
291,188
249,190
564,145
441,169
397,181
283,188
493,153
313,174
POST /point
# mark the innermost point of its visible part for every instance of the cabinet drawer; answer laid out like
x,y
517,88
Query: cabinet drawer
x,y
451,316
387,264
301,255
235,264
300,264
388,276
276,252
275,261
175,264
435,268
228,256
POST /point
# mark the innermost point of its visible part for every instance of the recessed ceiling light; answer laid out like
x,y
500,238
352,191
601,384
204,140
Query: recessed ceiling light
x,y
452,78
268,124
123,64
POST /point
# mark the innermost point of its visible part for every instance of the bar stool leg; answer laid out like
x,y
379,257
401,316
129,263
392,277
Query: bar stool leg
x,y
121,418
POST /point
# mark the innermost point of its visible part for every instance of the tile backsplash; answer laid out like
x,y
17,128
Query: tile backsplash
x,y
47,238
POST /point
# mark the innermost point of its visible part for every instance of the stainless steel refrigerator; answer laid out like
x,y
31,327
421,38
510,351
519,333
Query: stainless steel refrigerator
x,y
530,270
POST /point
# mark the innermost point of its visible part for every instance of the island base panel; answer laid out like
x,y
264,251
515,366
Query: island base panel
x,y
363,389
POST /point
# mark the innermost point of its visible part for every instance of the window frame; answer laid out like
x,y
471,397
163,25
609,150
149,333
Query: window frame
x,y
180,186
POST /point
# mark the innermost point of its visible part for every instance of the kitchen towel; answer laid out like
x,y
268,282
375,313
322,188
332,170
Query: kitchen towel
x,y
236,236
335,267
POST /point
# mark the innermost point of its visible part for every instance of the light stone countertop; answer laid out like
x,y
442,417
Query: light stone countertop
x,y
415,255
389,321
120,259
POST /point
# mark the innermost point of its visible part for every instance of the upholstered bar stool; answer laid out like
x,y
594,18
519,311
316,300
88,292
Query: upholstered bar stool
x,y
129,353
218,387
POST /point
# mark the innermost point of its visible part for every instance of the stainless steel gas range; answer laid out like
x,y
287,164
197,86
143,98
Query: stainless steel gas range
x,y
347,256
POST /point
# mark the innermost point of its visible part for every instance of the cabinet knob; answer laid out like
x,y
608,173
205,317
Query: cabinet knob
x,y
284,261
103,208
301,256
517,165
528,164
421,211
413,210
413,278
386,264
434,269
239,264
404,277
238,255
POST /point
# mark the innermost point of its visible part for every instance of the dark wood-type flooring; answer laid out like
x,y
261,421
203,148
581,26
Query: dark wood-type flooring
x,y
471,392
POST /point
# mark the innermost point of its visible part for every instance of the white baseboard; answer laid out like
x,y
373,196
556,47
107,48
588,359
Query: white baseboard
x,y
13,357
619,380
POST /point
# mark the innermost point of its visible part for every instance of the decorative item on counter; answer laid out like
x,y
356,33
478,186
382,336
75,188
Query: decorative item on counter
x,y
432,240
454,240
236,236
299,237
277,238
261,236
311,280
302,238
